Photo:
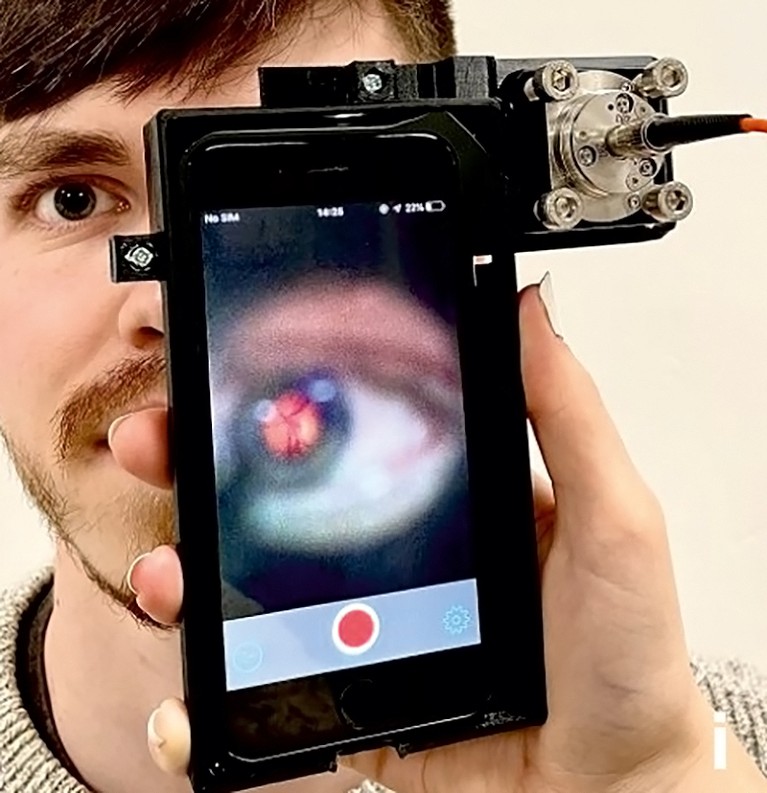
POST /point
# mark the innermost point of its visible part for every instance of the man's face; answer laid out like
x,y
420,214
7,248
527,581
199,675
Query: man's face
x,y
77,351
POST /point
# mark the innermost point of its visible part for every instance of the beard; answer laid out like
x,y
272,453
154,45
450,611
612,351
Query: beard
x,y
143,515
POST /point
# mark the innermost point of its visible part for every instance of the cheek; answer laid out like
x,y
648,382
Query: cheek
x,y
57,313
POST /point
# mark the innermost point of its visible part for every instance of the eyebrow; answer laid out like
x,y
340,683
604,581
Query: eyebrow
x,y
22,154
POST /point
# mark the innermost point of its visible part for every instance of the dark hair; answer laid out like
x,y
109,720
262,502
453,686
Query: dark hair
x,y
50,50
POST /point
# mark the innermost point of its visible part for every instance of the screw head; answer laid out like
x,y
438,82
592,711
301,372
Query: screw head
x,y
672,75
624,103
647,167
670,203
373,83
664,78
634,202
587,156
557,80
561,209
678,201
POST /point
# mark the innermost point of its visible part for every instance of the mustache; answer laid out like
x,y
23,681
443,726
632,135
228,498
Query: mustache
x,y
76,424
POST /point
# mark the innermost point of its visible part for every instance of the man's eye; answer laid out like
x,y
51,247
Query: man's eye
x,y
75,202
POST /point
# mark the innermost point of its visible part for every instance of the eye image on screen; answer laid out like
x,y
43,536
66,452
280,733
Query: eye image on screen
x,y
338,433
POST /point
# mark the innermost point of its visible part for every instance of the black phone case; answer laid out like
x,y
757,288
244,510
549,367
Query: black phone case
x,y
485,136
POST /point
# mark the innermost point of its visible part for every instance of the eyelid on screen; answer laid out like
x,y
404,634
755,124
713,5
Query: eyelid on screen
x,y
299,351
392,366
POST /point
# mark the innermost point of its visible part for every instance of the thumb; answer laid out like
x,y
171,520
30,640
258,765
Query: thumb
x,y
581,447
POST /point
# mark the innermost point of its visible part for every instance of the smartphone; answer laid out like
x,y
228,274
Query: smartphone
x,y
348,429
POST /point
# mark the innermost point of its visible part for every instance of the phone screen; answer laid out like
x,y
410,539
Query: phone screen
x,y
338,431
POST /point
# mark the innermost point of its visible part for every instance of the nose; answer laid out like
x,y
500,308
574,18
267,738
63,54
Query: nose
x,y
140,322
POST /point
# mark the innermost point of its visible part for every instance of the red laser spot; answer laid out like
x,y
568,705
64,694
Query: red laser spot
x,y
293,427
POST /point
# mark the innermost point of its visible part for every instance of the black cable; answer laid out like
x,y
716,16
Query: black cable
x,y
663,133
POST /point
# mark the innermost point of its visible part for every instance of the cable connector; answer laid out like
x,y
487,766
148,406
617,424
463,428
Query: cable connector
x,y
660,134
609,141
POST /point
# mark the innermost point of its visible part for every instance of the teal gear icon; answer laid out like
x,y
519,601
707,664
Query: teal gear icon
x,y
456,620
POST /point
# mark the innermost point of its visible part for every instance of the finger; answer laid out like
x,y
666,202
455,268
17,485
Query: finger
x,y
169,737
158,583
543,497
460,767
581,447
387,768
139,443
545,515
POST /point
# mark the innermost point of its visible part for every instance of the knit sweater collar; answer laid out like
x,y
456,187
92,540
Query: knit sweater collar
x,y
26,763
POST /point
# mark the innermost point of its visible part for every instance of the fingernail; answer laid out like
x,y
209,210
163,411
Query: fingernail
x,y
131,570
113,427
156,741
546,293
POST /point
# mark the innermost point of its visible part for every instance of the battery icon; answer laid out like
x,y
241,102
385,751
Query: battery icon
x,y
436,206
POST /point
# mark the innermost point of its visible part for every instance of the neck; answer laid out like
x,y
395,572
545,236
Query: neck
x,y
106,674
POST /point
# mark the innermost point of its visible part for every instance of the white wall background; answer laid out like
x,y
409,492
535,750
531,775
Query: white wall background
x,y
674,332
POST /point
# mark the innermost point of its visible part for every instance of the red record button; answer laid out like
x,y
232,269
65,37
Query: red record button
x,y
355,629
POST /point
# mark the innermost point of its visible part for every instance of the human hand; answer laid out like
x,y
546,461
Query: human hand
x,y
625,712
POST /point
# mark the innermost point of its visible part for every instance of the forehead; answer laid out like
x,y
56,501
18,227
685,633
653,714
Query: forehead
x,y
100,117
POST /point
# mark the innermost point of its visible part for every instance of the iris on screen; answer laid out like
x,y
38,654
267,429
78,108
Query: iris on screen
x,y
303,422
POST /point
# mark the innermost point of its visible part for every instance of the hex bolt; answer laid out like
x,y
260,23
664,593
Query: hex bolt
x,y
669,203
587,156
663,79
556,81
561,209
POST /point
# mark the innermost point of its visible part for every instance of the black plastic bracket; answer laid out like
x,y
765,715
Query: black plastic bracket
x,y
377,82
140,257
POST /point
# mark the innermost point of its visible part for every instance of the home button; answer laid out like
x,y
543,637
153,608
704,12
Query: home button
x,y
362,705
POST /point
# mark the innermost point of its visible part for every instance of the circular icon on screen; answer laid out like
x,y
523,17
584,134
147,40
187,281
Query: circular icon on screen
x,y
248,657
355,629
